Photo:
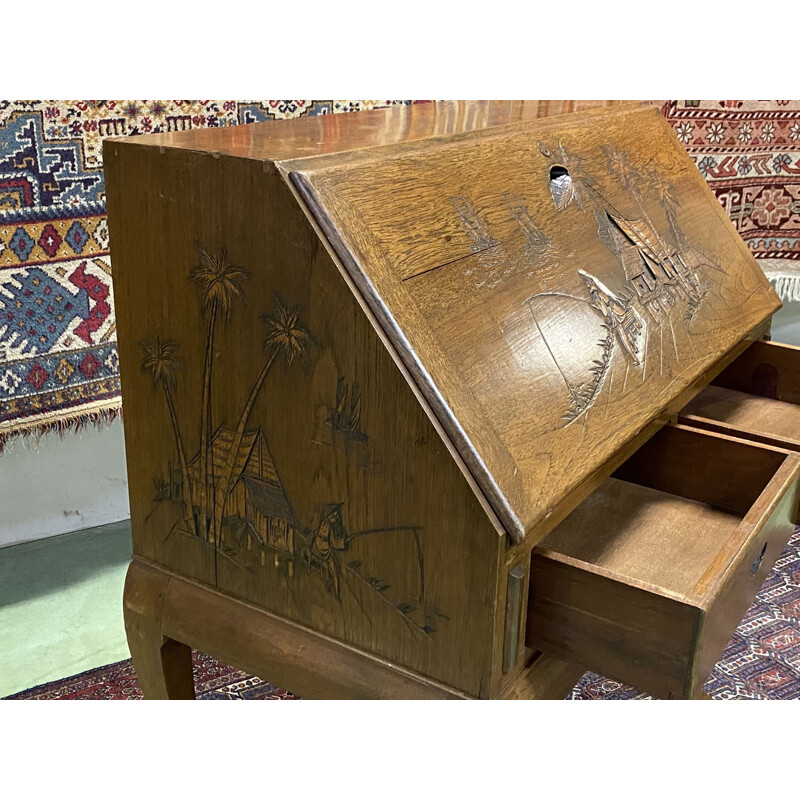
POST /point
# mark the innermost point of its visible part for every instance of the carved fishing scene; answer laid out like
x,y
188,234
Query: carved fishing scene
x,y
228,492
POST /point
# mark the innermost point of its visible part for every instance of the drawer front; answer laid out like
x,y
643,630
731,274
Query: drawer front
x,y
635,634
647,580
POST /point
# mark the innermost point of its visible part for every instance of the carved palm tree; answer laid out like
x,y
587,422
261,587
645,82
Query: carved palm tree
x,y
619,163
220,285
160,361
284,335
668,197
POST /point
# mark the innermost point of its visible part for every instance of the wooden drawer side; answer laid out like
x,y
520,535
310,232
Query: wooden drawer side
x,y
757,397
647,580
773,520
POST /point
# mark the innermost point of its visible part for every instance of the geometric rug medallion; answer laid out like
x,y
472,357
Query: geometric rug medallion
x,y
59,367
749,153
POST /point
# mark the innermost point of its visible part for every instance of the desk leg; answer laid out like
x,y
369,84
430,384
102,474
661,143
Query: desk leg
x,y
163,666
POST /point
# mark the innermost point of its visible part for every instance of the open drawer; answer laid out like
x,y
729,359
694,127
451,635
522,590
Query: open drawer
x,y
647,579
757,397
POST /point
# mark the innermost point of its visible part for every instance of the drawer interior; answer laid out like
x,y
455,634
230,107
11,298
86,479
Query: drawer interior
x,y
646,580
757,395
646,535
669,512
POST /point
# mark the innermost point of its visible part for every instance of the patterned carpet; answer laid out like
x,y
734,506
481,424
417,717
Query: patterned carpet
x,y
749,152
761,662
213,680
58,356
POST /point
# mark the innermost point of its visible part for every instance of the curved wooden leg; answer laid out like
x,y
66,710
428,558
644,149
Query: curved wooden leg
x,y
163,666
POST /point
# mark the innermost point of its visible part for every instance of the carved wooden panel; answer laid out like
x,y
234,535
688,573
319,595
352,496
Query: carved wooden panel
x,y
554,287
274,449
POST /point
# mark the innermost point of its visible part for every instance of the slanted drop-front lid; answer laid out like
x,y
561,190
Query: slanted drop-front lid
x,y
552,286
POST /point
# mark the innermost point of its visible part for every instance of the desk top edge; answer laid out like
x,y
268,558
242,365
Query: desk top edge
x,y
329,134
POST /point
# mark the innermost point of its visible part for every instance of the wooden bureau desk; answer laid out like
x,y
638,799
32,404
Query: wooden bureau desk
x,y
404,403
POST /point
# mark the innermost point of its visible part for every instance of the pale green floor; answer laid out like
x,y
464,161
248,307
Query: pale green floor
x,y
61,605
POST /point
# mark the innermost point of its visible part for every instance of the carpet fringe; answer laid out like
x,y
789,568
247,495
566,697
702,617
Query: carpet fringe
x,y
96,418
787,287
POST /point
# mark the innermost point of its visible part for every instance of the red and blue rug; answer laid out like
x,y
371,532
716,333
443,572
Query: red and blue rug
x,y
761,662
58,355
213,680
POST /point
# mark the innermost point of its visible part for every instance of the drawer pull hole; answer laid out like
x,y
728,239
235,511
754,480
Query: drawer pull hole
x,y
757,562
560,186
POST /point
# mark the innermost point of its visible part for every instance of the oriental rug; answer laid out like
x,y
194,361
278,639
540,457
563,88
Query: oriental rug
x,y
213,680
761,662
749,152
58,357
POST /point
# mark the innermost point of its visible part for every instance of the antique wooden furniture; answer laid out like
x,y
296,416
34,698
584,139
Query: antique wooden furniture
x,y
403,396
757,396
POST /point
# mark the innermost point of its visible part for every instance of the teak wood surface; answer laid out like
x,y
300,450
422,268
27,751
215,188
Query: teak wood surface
x,y
757,396
163,611
648,578
545,330
338,442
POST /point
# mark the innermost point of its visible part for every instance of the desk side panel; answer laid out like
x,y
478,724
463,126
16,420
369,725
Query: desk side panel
x,y
155,309
319,488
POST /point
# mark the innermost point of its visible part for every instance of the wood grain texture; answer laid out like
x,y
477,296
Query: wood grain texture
x,y
304,662
629,585
733,476
307,663
543,342
358,351
346,511
765,369
163,666
543,678
739,413
339,133
653,537
757,396
622,630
